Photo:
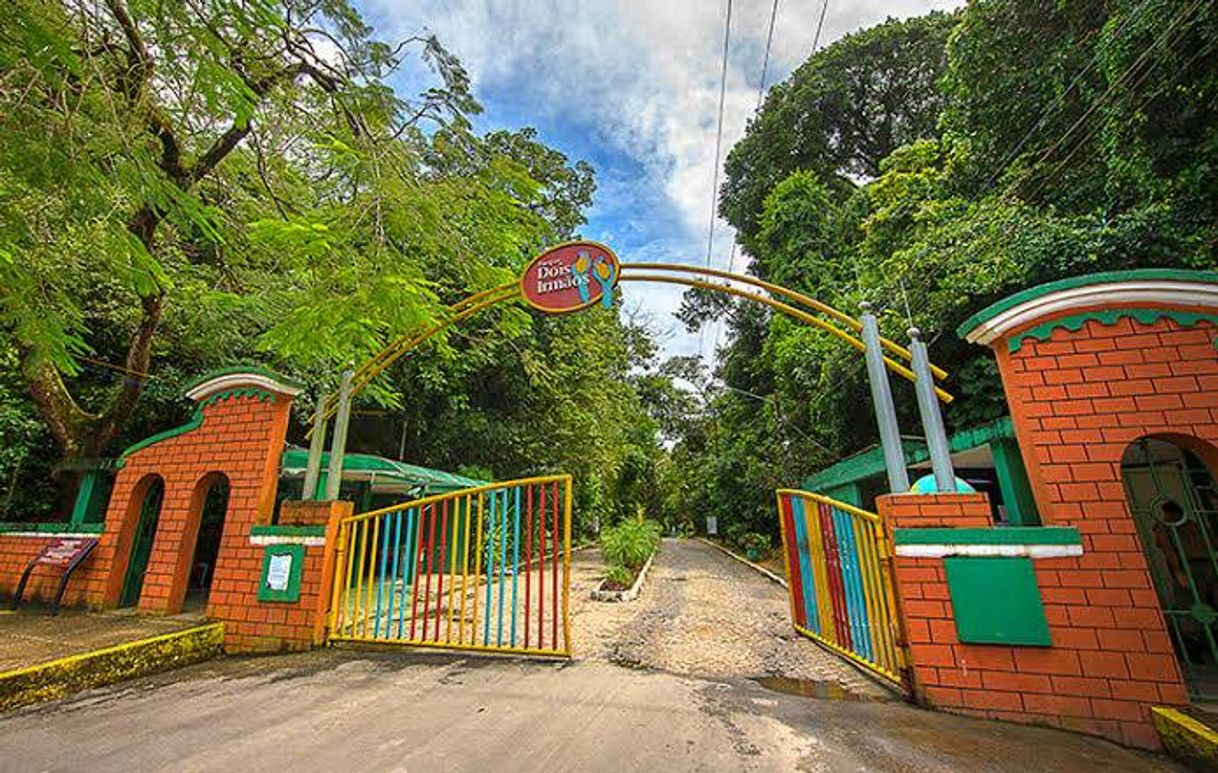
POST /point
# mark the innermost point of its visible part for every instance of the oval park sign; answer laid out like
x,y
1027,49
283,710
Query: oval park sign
x,y
570,277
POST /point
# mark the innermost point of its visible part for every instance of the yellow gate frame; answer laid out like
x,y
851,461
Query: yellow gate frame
x,y
667,273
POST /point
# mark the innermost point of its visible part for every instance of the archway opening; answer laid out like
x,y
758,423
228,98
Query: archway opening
x,y
212,499
1174,502
153,488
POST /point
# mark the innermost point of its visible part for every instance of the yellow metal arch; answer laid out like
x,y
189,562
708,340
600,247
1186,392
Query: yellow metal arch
x,y
470,306
785,292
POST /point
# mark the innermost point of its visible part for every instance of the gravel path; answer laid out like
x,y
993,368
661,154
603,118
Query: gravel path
x,y
702,614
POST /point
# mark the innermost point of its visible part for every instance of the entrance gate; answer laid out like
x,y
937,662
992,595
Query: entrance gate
x,y
839,581
485,568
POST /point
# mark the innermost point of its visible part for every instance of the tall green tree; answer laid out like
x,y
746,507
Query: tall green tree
x,y
839,115
138,139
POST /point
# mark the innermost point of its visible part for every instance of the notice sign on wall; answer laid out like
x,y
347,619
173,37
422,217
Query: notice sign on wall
x,y
61,552
281,569
571,277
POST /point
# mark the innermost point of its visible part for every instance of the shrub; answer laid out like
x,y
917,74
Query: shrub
x,y
620,575
630,543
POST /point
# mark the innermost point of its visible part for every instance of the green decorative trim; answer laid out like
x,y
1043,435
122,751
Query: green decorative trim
x,y
255,369
1105,277
227,394
288,531
997,601
1075,322
10,527
1028,535
291,593
195,422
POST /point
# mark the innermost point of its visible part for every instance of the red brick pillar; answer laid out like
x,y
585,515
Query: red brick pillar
x,y
236,435
1089,365
1097,673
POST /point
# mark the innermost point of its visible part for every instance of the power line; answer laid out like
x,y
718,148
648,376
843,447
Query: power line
x,y
1059,101
714,192
1110,91
820,25
714,197
765,60
1096,104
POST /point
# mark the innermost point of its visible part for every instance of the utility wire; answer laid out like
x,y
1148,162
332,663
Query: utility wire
x,y
1059,100
1163,36
1110,91
1096,104
714,192
714,197
820,25
765,60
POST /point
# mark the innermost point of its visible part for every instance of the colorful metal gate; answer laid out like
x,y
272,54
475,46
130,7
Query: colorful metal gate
x,y
840,586
485,568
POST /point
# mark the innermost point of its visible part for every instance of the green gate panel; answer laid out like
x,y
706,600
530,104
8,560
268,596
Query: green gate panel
x,y
996,601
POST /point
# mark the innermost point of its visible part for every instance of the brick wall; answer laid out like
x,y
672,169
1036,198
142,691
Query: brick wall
x,y
1078,399
1109,663
88,581
268,626
240,439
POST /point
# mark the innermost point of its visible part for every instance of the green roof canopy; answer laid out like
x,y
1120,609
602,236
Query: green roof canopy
x,y
870,462
386,475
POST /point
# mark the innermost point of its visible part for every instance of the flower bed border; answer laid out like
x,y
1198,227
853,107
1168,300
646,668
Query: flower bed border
x,y
630,594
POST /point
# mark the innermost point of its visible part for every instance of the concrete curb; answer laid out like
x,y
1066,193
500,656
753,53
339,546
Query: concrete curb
x,y
624,595
1186,739
58,678
756,567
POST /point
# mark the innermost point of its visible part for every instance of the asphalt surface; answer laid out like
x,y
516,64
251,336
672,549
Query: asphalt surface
x,y
364,710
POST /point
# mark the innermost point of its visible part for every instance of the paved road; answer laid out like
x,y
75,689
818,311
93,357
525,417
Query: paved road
x,y
374,711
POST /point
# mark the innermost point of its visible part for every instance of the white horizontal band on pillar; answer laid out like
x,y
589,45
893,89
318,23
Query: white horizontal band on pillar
x,y
1031,551
278,539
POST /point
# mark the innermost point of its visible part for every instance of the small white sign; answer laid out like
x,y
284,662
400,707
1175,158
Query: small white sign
x,y
279,571
712,526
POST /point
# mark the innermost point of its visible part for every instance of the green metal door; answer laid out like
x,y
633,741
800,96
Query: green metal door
x,y
1172,497
141,547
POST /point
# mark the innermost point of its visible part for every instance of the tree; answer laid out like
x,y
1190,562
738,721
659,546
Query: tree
x,y
1062,139
845,109
133,151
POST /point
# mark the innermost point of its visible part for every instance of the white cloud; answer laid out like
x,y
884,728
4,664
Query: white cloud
x,y
642,78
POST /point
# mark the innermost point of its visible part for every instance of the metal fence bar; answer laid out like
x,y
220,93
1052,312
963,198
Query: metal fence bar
x,y
426,548
839,580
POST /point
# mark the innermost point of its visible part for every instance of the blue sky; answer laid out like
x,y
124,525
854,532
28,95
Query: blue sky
x,y
632,87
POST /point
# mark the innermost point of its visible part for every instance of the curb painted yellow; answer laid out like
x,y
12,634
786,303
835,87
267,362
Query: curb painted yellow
x,y
59,678
1187,739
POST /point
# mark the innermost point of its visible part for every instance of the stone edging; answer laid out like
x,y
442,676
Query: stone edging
x,y
59,678
624,595
756,567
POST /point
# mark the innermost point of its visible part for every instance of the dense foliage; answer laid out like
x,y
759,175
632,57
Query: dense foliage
x,y
1026,140
190,185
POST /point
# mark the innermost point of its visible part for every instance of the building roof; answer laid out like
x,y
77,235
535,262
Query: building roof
x,y
386,475
869,462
